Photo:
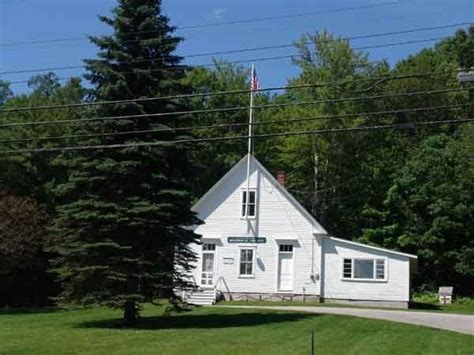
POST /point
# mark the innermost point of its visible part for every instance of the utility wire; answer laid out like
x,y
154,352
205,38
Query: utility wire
x,y
27,81
182,67
289,45
238,124
214,24
230,109
218,139
218,93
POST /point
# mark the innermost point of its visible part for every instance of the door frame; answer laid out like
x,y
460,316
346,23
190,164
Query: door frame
x,y
213,252
277,286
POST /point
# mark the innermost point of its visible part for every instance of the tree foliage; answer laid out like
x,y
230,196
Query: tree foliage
x,y
429,208
34,174
124,215
23,259
214,160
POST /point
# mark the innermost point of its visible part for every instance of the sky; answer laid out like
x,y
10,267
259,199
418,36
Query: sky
x,y
31,20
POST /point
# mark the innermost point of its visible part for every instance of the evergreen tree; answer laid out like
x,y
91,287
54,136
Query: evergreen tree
x,y
123,224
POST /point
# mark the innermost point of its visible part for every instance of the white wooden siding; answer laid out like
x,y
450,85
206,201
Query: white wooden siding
x,y
277,220
397,268
280,219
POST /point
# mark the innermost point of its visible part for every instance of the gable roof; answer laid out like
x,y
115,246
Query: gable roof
x,y
372,247
272,180
292,200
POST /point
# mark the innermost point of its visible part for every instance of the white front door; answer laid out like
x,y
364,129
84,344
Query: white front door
x,y
207,277
285,271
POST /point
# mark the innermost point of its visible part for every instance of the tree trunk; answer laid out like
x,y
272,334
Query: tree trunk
x,y
130,313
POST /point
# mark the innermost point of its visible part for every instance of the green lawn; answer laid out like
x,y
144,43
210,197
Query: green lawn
x,y
217,331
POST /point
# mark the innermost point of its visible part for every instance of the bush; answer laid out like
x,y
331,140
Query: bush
x,y
425,297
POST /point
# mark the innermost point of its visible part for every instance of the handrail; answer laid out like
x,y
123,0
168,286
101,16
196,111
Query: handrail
x,y
194,279
221,278
184,291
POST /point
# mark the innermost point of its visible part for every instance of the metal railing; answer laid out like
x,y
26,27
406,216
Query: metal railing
x,y
221,279
185,291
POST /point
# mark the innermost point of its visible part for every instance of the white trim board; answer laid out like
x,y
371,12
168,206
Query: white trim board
x,y
371,247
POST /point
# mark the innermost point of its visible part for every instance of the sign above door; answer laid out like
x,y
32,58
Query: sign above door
x,y
254,240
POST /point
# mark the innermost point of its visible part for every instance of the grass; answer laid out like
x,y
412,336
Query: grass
x,y
420,303
217,331
429,301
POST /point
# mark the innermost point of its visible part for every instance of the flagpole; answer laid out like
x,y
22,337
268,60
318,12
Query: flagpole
x,y
249,152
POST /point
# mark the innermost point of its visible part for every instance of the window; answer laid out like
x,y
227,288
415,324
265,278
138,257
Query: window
x,y
286,248
364,269
208,247
380,269
251,204
347,273
246,261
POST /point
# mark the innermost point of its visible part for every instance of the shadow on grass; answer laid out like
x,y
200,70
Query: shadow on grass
x,y
201,321
6,311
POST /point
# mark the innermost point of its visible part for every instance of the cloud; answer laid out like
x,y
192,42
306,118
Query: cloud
x,y
218,13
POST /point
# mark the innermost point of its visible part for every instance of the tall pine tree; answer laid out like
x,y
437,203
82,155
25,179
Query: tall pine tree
x,y
123,224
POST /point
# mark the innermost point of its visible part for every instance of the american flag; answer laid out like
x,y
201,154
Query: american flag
x,y
254,83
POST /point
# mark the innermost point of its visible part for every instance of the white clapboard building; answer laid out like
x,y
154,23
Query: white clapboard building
x,y
273,249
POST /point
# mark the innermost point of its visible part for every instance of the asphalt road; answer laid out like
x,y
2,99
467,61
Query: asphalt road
x,y
460,323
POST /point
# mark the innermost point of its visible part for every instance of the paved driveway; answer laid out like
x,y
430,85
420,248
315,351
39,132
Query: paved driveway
x,y
455,322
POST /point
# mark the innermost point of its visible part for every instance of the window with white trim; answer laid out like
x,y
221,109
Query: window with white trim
x,y
364,269
380,269
246,262
347,269
251,203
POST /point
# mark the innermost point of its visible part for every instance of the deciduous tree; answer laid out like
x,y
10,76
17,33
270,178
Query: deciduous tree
x,y
23,260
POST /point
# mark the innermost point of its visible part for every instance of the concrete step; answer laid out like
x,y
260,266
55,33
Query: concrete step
x,y
201,302
203,297
194,299
207,294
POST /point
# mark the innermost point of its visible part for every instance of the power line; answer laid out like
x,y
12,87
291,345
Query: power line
x,y
215,24
289,45
182,67
303,14
26,81
218,93
229,109
238,124
413,30
217,139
